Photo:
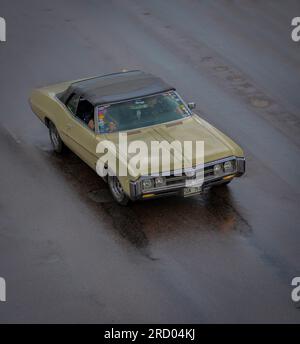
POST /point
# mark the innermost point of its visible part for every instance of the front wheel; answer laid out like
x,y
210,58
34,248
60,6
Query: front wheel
x,y
56,141
117,191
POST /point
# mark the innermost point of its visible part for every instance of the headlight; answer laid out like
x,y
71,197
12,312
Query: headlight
x,y
218,170
160,181
228,166
147,184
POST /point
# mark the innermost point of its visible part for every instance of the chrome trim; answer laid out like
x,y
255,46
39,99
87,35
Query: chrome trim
x,y
97,131
241,166
136,190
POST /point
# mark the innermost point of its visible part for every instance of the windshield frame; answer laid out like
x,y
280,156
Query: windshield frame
x,y
147,126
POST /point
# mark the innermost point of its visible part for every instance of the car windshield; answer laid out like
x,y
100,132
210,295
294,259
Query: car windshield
x,y
142,112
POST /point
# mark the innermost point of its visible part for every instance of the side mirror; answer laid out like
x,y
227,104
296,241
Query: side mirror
x,y
191,106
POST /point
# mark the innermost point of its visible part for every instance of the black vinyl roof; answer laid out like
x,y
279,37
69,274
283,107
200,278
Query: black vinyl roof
x,y
117,87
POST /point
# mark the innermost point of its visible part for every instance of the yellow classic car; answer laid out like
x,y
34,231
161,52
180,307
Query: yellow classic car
x,y
90,115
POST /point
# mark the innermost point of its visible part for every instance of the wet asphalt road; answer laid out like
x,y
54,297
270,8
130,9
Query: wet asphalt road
x,y
67,252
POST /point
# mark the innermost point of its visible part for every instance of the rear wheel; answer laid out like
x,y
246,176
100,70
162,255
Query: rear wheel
x,y
56,141
117,191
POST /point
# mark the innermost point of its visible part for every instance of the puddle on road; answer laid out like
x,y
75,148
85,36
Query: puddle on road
x,y
126,222
259,102
214,211
220,68
100,196
247,87
222,207
235,78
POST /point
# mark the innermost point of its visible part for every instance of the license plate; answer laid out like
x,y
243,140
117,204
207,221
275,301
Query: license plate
x,y
191,191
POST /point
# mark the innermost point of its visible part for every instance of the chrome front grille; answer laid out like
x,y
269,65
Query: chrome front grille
x,y
175,181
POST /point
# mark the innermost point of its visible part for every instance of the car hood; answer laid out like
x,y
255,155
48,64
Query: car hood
x,y
216,144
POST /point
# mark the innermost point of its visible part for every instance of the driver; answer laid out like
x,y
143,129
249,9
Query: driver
x,y
88,118
91,124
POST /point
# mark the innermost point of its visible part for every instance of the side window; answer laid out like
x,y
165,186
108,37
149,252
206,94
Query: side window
x,y
72,103
85,112
82,109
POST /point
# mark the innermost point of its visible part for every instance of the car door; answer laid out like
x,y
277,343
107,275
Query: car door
x,y
81,138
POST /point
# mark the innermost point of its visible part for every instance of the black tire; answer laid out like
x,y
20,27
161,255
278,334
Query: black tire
x,y
117,191
55,139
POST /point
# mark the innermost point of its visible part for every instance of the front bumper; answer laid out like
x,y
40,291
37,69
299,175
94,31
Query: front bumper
x,y
176,185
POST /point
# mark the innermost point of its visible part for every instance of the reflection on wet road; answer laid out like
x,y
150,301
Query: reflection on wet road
x,y
68,252
145,222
